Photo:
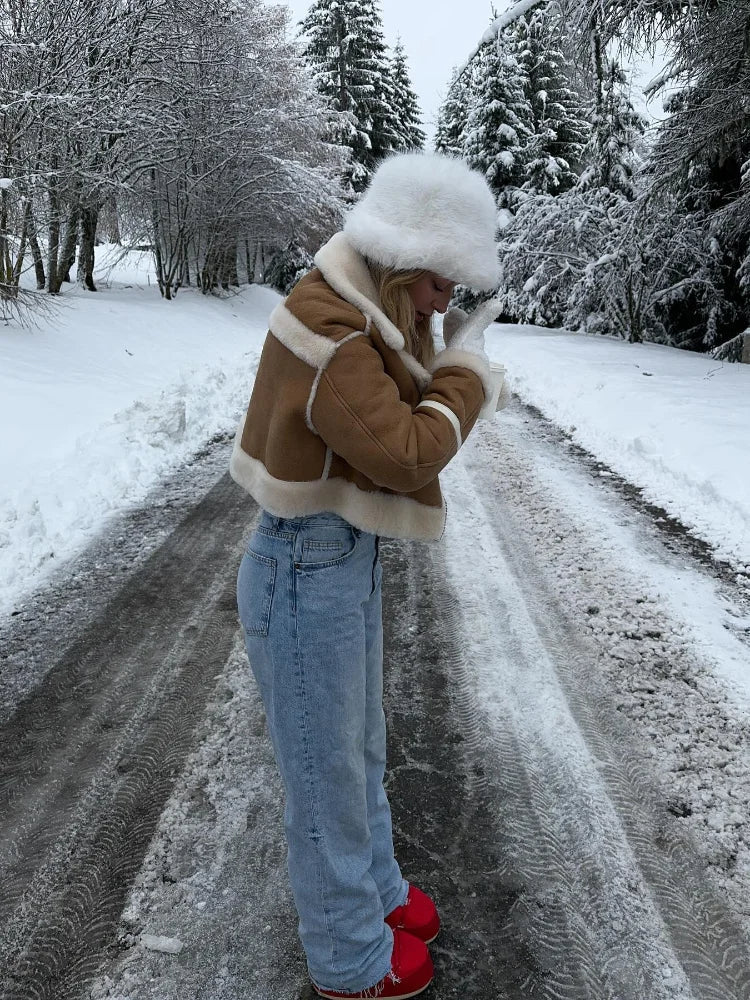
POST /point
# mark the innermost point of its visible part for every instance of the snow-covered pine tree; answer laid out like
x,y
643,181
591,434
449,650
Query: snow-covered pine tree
x,y
611,156
695,163
347,52
450,133
500,123
575,258
405,103
560,119
710,145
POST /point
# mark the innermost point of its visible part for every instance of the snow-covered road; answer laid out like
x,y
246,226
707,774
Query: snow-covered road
x,y
568,765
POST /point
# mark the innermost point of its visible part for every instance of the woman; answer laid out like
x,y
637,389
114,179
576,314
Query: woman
x,y
351,419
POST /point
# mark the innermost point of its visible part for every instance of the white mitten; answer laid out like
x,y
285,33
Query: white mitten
x,y
451,322
464,332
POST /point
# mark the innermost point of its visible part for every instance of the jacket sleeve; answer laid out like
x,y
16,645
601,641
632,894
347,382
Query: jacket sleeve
x,y
359,414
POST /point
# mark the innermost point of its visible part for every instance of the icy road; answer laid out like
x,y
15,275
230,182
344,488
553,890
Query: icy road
x,y
568,684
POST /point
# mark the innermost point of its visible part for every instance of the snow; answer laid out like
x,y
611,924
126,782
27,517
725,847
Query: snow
x,y
499,23
158,942
671,422
105,397
119,387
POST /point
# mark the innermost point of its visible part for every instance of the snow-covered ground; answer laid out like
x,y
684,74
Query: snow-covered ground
x,y
99,402
121,388
671,422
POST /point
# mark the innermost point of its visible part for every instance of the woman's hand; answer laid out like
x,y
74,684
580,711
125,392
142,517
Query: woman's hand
x,y
465,332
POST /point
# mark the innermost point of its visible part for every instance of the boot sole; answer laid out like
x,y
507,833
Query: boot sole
x,y
400,996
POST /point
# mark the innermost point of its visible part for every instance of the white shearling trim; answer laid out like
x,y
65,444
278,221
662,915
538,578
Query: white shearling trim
x,y
421,376
346,272
309,347
311,400
433,404
327,465
351,336
318,376
454,357
389,514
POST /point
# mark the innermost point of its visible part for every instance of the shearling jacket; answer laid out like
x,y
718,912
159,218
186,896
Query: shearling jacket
x,y
342,418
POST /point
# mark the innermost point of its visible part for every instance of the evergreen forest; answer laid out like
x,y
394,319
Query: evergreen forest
x,y
228,141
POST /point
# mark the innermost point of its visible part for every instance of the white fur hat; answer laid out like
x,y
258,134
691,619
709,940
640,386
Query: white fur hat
x,y
428,211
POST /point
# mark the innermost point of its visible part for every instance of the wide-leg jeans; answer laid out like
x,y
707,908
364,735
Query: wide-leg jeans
x,y
309,597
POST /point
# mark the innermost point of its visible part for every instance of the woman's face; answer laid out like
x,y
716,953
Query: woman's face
x,y
430,294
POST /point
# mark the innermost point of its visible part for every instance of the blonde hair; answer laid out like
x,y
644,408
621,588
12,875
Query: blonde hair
x,y
396,303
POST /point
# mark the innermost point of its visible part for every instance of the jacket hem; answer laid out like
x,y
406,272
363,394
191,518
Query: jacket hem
x,y
391,515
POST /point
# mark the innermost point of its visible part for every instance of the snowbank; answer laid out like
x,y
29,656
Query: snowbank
x,y
100,401
671,422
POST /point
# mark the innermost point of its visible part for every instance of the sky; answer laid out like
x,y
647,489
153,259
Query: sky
x,y
440,34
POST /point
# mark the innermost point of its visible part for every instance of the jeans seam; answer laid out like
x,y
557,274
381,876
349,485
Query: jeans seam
x,y
316,831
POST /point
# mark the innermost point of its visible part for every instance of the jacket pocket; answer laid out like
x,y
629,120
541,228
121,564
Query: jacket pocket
x,y
255,585
327,547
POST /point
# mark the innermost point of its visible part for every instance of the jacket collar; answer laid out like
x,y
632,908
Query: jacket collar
x,y
345,270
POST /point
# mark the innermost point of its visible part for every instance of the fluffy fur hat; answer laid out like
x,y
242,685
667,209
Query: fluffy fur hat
x,y
428,211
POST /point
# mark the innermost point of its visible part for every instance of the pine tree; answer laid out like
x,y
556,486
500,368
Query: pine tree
x,y
347,52
561,126
610,157
500,124
405,104
453,116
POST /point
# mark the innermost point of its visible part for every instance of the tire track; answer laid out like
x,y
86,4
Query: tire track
x,y
519,799
91,755
613,893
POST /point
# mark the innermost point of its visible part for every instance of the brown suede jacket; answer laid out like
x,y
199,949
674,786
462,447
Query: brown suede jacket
x,y
342,418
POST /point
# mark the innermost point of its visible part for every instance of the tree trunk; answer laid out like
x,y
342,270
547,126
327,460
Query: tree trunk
x,y
6,265
234,278
68,250
53,285
156,237
112,221
228,266
21,248
262,254
86,257
36,253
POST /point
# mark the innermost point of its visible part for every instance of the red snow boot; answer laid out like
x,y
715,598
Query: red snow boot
x,y
418,916
411,972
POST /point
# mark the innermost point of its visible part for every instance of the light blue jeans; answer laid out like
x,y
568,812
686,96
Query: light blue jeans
x,y
309,596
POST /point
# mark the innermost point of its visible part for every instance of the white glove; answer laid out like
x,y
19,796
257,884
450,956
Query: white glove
x,y
466,333
452,320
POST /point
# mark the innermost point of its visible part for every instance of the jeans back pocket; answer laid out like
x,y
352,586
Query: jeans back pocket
x,y
255,584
